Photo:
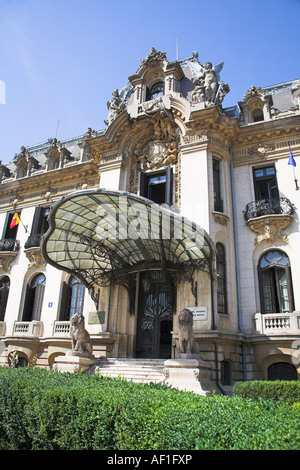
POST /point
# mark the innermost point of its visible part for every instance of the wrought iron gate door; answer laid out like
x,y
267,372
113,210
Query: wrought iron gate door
x,y
155,316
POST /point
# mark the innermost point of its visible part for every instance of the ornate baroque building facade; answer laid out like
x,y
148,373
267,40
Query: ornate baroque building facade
x,y
204,209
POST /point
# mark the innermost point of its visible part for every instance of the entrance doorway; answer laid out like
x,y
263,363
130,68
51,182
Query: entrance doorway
x,y
155,316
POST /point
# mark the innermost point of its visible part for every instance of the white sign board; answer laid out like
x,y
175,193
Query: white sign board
x,y
199,313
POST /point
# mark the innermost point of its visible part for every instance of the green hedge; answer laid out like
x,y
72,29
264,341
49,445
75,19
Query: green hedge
x,y
279,390
45,410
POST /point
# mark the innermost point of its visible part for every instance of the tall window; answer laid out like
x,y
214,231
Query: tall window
x,y
218,202
158,187
4,291
34,298
72,298
221,275
156,91
276,293
265,184
39,226
8,232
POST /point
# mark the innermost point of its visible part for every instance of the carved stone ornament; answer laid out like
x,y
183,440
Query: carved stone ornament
x,y
254,92
35,256
115,106
158,154
269,228
209,89
154,59
261,150
152,106
81,341
185,331
6,258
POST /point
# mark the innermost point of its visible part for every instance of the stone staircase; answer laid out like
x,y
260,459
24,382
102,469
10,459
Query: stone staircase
x,y
131,369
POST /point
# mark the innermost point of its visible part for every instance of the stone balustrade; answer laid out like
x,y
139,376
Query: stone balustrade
x,y
277,323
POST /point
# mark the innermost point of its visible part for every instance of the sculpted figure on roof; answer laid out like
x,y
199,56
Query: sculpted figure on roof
x,y
115,106
208,87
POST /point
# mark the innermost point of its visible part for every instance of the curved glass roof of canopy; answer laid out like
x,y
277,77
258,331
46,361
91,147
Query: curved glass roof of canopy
x,y
101,235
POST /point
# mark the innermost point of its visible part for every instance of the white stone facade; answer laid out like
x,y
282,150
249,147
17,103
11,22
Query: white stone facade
x,y
167,122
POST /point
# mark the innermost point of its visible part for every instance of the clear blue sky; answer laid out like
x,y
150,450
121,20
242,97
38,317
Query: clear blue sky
x,y
60,60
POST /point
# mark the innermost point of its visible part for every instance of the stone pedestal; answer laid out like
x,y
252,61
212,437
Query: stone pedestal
x,y
190,373
74,361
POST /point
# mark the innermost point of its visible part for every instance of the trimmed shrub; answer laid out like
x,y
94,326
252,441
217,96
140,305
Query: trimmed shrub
x,y
45,410
279,390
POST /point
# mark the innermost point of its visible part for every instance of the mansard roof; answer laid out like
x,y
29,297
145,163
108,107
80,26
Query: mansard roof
x,y
283,100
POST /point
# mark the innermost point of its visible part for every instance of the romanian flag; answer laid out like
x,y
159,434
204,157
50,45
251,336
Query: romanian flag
x,y
15,220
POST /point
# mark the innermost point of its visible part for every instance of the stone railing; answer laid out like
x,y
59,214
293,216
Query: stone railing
x,y
264,207
61,328
33,241
9,244
277,323
28,328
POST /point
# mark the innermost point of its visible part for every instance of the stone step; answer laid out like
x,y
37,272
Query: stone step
x,y
136,370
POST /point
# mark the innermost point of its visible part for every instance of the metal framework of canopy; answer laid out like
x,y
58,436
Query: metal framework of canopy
x,y
105,237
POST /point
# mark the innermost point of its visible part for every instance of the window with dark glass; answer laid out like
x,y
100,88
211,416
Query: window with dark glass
x,y
8,232
265,184
158,187
221,278
225,373
4,291
156,91
34,298
258,115
276,292
72,298
39,226
218,202
282,371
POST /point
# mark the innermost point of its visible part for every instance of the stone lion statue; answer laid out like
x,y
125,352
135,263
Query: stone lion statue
x,y
185,329
81,340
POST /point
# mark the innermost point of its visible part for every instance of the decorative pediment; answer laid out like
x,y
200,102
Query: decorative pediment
x,y
154,59
56,155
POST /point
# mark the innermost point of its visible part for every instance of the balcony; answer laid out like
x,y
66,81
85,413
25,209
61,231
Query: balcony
x,y
33,251
271,324
28,328
9,248
281,206
269,217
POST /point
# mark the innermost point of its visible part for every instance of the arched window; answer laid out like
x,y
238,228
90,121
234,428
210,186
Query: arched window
x,y
156,91
276,292
258,115
4,291
72,298
221,275
282,371
34,298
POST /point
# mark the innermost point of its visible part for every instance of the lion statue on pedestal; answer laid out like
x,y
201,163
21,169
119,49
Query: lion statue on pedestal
x,y
81,340
185,330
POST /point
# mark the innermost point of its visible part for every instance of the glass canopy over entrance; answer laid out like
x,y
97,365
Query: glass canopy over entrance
x,y
104,237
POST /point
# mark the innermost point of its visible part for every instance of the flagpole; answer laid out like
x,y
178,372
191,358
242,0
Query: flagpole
x,y
295,179
23,225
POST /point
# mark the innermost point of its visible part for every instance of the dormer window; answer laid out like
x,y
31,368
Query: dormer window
x,y
156,91
258,115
